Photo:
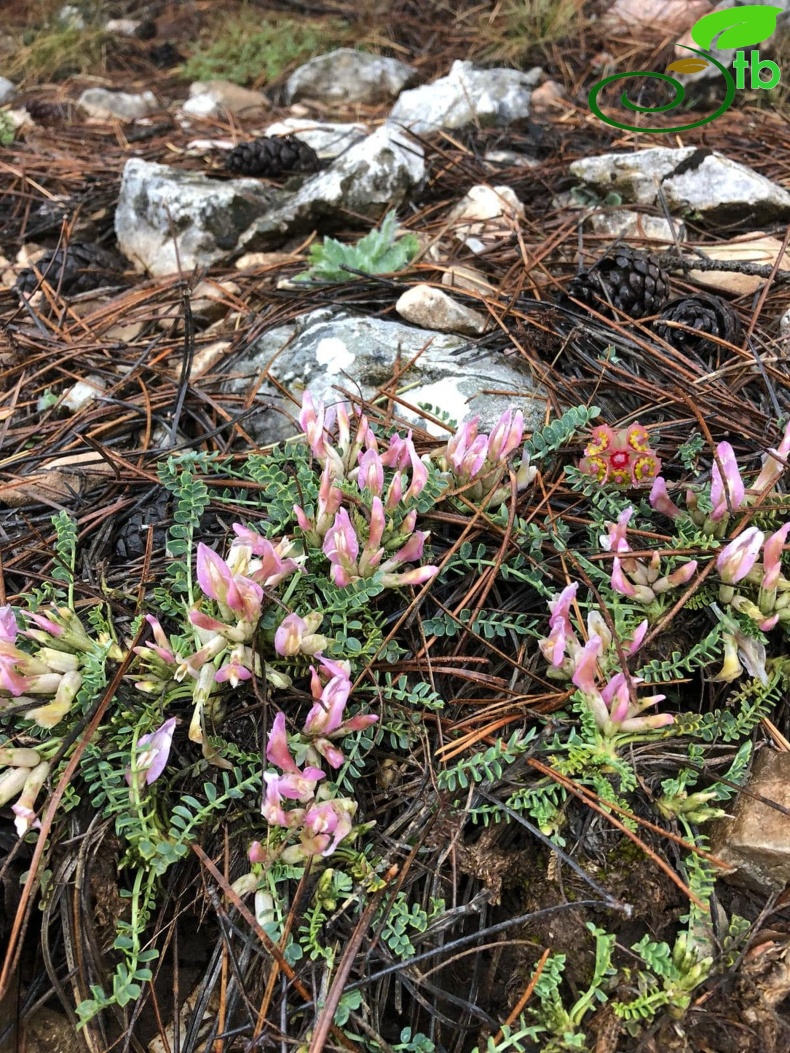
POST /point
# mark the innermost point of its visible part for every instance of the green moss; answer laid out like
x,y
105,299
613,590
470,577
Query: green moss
x,y
254,50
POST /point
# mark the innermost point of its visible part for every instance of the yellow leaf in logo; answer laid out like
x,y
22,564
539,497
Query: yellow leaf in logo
x,y
687,65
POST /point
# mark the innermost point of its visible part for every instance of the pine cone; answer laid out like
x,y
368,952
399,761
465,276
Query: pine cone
x,y
626,279
272,157
80,267
165,56
705,315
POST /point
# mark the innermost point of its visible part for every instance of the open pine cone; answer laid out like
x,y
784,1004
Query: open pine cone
x,y
702,315
272,156
626,279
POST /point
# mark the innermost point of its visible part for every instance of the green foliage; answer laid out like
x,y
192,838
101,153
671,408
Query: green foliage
x,y
745,709
559,432
488,624
379,252
400,921
487,765
180,476
701,655
251,49
65,551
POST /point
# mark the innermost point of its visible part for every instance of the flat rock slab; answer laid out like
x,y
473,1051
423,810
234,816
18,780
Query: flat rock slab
x,y
467,95
755,842
346,76
168,218
326,350
699,183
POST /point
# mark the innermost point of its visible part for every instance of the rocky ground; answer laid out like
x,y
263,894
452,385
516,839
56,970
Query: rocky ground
x,y
173,175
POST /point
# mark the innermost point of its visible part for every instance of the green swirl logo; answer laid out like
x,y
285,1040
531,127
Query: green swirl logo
x,y
735,28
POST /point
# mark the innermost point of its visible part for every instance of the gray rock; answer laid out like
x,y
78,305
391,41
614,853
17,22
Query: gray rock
x,y
467,95
348,76
636,175
211,220
327,139
699,183
430,307
208,98
755,842
623,223
7,90
722,190
375,173
102,104
326,350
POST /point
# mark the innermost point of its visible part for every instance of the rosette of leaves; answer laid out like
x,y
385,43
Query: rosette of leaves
x,y
379,252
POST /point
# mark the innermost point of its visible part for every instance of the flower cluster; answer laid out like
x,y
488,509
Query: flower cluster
x,y
478,463
621,456
611,699
225,653
52,673
750,563
372,536
319,820
634,578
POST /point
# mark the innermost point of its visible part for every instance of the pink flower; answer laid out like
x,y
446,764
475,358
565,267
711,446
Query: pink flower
x,y
772,469
505,436
474,458
11,681
297,635
372,552
727,486
325,826
326,715
419,473
162,647
660,499
371,473
633,645
585,666
8,626
341,546
394,492
397,454
46,624
273,564
736,560
294,785
554,646
277,751
417,576
412,551
461,441
219,583
772,557
233,670
151,755
620,582
677,578
315,421
614,540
